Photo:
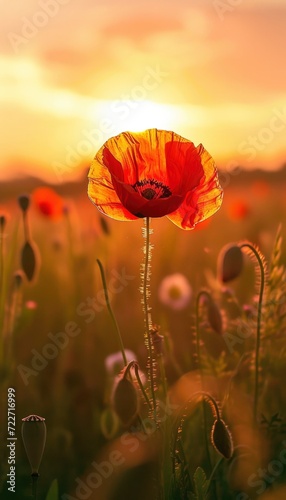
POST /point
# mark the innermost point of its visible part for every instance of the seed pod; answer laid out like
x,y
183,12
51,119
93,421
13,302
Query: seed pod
x,y
34,439
3,220
28,260
221,438
230,263
214,316
125,401
24,202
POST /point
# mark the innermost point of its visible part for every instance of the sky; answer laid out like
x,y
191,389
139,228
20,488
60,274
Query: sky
x,y
74,73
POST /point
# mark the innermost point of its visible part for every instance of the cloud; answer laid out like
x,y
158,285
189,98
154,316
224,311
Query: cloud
x,y
222,76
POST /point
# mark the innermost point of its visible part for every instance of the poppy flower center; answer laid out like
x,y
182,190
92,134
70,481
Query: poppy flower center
x,y
152,189
175,293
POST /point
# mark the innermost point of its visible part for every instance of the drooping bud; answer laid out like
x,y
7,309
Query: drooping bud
x,y
28,260
230,263
125,401
221,438
24,202
34,438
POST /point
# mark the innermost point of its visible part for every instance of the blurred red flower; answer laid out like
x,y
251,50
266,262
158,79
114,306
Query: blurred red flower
x,y
238,210
152,174
48,202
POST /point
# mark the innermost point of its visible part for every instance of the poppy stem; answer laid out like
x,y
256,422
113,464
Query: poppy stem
x,y
136,368
110,310
26,226
35,478
147,312
202,293
258,330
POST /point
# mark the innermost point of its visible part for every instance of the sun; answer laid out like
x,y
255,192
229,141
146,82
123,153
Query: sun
x,y
137,116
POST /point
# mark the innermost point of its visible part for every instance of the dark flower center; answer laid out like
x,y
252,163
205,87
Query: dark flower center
x,y
152,189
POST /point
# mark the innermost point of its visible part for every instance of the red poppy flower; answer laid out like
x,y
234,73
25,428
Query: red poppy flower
x,y
48,202
239,210
152,174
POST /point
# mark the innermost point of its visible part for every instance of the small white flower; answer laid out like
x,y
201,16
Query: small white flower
x,y
114,362
175,291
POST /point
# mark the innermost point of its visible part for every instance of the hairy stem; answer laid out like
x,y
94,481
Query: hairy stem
x,y
147,313
258,330
201,294
26,226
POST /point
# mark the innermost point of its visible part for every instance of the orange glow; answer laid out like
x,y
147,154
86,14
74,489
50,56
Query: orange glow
x,y
79,77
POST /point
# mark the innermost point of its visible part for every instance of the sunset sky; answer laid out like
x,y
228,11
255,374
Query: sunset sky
x,y
75,73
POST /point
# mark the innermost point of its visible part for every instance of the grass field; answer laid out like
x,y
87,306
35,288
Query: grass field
x,y
57,334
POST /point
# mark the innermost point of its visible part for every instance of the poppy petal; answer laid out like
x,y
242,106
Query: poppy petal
x,y
102,193
156,154
203,201
183,162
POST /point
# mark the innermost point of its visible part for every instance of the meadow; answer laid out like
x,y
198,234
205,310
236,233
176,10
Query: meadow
x,y
57,334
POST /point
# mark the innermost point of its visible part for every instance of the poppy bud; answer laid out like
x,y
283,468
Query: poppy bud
x,y
28,260
125,401
214,315
3,220
230,263
34,439
221,438
24,202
